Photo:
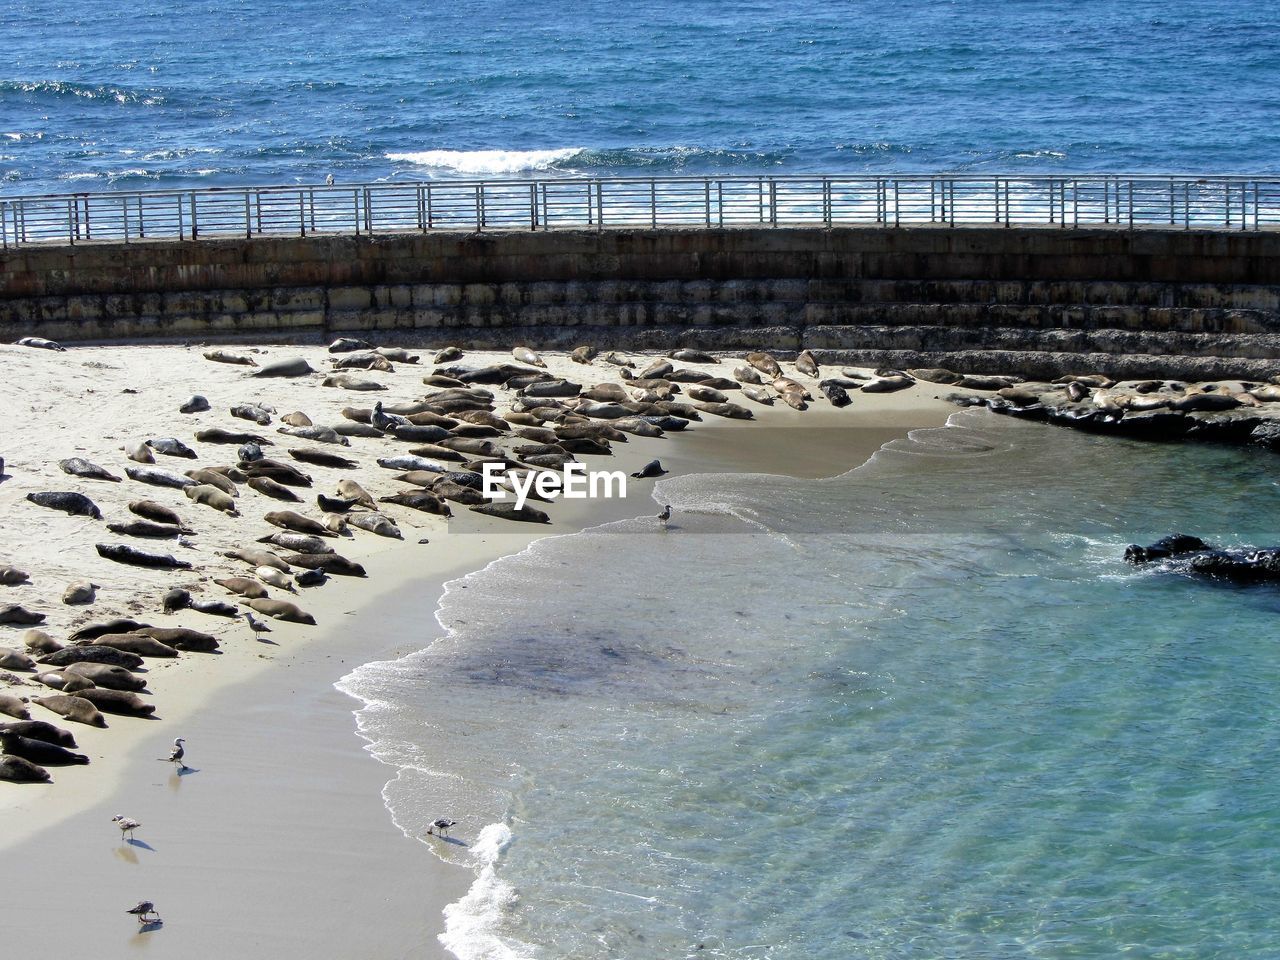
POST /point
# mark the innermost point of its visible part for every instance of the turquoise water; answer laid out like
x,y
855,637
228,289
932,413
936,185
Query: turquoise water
x,y
921,710
171,93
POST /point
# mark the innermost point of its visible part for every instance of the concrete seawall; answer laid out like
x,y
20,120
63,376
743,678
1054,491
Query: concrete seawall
x,y
1034,301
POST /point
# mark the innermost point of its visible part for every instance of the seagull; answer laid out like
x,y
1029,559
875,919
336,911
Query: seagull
x,y
329,180
256,625
665,515
440,827
126,825
177,753
143,910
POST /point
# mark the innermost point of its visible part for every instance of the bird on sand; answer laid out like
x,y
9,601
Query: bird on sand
x,y
665,515
145,911
126,825
440,827
256,625
177,753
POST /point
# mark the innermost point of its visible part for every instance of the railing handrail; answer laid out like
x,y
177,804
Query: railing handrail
x,y
906,177
1175,200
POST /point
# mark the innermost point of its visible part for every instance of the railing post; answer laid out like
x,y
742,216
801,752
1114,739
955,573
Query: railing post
x,y
248,220
826,201
479,208
4,224
653,204
181,229
1130,204
73,225
142,227
355,210
431,217
194,225
302,215
599,205
706,201
773,202
311,208
368,211
124,211
533,205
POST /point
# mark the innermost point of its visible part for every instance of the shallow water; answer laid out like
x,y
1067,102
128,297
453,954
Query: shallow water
x,y
177,93
920,710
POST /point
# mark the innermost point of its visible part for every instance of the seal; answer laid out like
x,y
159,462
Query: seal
x,y
40,730
295,367
834,393
705,394
321,458
107,675
79,593
272,576
396,354
11,659
639,426
310,578
376,523
508,511
41,343
349,345
226,356
741,374
93,653
219,435
423,500
353,490
158,512
252,411
175,600
63,682
651,469
731,410
318,433
183,638
258,558
15,614
39,752
332,563
76,504
158,477
12,576
409,462
280,610
136,643
12,706
215,479
364,361
244,586
122,553
79,467
121,702
194,404
18,770
303,543
276,470
583,354
171,447
765,364
117,625
525,355
347,382
806,364
291,520
333,505
297,419
448,355
211,496
146,528
39,642
758,394
73,708
270,488
138,452
432,451
687,355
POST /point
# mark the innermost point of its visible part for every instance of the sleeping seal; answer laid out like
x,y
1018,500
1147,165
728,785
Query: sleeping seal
x,y
76,504
73,708
18,770
280,610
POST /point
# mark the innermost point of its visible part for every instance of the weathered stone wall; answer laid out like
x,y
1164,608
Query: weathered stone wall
x,y
1026,299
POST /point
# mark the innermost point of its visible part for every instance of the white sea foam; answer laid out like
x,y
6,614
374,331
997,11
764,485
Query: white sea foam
x,y
472,924
486,162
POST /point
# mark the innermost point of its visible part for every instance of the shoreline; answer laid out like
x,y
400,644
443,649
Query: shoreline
x,y
299,747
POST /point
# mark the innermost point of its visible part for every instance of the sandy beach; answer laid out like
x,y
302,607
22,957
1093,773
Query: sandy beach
x,y
275,841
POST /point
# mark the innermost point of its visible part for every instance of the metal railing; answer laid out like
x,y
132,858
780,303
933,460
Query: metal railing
x,y
1127,202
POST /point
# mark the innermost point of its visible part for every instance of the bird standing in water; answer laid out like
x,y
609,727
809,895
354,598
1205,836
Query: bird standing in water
x,y
143,911
177,753
440,827
665,515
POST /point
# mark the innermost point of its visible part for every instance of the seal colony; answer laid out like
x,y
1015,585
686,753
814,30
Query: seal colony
x,y
159,529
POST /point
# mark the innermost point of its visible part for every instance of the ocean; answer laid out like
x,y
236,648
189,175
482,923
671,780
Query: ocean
x,y
196,93
920,710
